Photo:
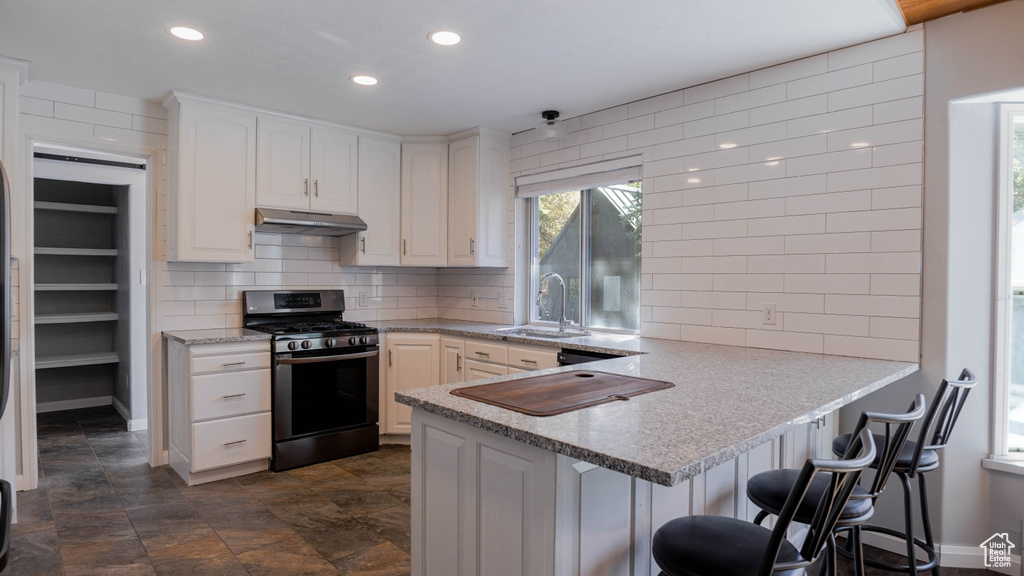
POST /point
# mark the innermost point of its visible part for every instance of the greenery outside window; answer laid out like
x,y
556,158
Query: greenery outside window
x,y
592,239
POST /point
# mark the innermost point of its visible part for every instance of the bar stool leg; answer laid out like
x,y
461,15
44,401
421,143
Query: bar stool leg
x,y
858,563
926,520
908,516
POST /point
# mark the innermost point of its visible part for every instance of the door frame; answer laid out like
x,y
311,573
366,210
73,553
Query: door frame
x,y
23,228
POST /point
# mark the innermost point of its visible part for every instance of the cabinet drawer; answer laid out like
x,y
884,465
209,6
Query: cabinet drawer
x,y
230,394
207,364
476,370
532,358
230,441
486,352
513,370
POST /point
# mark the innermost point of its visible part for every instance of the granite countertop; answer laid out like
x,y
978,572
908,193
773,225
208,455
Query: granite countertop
x,y
726,400
215,335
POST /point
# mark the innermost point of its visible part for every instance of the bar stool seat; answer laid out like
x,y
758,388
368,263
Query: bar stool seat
x,y
929,458
769,490
680,547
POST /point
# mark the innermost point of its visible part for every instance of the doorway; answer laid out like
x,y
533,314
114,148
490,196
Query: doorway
x,y
88,276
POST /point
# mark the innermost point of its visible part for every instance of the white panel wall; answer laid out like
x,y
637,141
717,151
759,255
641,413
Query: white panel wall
x,y
815,208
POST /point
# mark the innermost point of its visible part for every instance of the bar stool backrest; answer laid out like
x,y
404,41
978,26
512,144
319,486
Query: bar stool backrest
x,y
942,415
897,431
845,474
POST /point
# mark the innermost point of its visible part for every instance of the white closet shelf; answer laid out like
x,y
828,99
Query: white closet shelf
x,y
67,360
65,207
76,251
73,287
75,318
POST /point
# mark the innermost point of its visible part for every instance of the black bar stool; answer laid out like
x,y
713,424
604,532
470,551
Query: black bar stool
x,y
720,546
915,459
768,490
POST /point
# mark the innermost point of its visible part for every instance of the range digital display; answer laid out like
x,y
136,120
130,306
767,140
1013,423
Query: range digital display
x,y
300,300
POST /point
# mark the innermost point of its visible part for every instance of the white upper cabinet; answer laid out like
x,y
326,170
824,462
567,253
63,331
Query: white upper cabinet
x,y
477,199
212,181
334,170
380,169
305,167
282,163
424,204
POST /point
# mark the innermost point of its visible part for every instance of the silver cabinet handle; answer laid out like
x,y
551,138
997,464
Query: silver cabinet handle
x,y
484,354
226,364
458,362
362,241
389,357
316,188
525,361
471,250
404,246
239,395
306,189
250,240
234,442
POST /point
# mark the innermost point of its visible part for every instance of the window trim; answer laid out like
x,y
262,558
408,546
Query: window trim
x,y
1003,291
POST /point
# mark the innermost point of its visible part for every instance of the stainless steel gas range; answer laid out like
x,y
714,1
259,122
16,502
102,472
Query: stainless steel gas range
x,y
325,375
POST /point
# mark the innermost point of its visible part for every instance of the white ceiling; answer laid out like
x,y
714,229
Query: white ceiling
x,y
517,57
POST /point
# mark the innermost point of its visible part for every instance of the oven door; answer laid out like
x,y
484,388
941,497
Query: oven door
x,y
324,391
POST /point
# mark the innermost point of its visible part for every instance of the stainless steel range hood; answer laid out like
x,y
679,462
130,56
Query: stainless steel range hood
x,y
299,222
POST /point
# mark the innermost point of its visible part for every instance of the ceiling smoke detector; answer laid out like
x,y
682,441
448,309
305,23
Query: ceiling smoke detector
x,y
550,130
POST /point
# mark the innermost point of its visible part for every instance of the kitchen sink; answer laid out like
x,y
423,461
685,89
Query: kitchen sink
x,y
543,332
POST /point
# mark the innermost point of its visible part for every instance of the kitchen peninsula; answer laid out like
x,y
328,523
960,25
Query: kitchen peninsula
x,y
582,492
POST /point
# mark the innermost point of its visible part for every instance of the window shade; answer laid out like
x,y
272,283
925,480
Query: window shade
x,y
602,173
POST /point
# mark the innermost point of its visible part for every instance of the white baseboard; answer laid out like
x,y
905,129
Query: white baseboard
x,y
949,556
133,425
60,405
395,439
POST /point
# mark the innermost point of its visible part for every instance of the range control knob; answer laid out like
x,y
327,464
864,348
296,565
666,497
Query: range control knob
x,y
306,344
364,340
353,341
329,343
293,345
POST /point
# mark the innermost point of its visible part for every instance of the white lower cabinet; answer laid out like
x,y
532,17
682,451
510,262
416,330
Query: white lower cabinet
x,y
411,362
476,370
453,360
465,360
219,421
486,504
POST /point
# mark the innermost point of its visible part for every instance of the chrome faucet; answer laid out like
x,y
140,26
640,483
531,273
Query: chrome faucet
x,y
562,322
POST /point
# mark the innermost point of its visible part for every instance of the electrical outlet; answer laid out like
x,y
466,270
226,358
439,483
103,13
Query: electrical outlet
x,y
362,300
768,314
476,298
502,299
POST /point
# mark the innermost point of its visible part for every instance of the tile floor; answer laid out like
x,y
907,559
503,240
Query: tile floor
x,y
101,509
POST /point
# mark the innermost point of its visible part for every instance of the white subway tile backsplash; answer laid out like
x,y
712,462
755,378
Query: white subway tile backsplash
x,y
36,106
906,65
884,349
58,93
875,262
830,162
901,175
601,147
688,147
684,114
750,209
715,194
780,340
828,283
695,282
829,203
830,122
789,71
147,124
893,154
653,137
789,110
906,87
877,135
804,303
898,110
716,124
717,89
713,335
602,117
895,328
672,251
91,115
786,264
896,241
789,148
895,284
748,282
869,305
787,225
705,230
692,316
784,187
742,319
134,106
829,82
43,127
749,246
909,42
655,104
827,324
717,159
775,132
829,243
750,99
875,220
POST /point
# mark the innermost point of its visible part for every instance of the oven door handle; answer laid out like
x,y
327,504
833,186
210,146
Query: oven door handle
x,y
317,359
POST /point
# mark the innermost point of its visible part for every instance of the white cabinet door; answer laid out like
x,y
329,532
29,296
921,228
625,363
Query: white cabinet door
x,y
453,356
412,362
478,194
282,163
476,370
212,183
380,169
333,169
462,201
425,204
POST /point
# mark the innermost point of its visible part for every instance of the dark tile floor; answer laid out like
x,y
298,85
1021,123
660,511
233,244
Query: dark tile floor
x,y
101,509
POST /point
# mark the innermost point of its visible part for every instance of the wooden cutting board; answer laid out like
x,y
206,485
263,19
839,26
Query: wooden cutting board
x,y
563,392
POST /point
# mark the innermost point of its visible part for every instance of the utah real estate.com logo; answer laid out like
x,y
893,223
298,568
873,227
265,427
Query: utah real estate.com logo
x,y
997,551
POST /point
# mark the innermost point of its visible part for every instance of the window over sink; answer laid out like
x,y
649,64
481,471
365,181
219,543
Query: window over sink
x,y
591,238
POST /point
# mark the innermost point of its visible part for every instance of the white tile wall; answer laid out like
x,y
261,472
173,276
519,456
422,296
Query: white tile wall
x,y
817,209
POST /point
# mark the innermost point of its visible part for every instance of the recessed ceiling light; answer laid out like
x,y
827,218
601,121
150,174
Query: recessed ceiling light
x,y
364,80
186,33
727,145
444,37
860,145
